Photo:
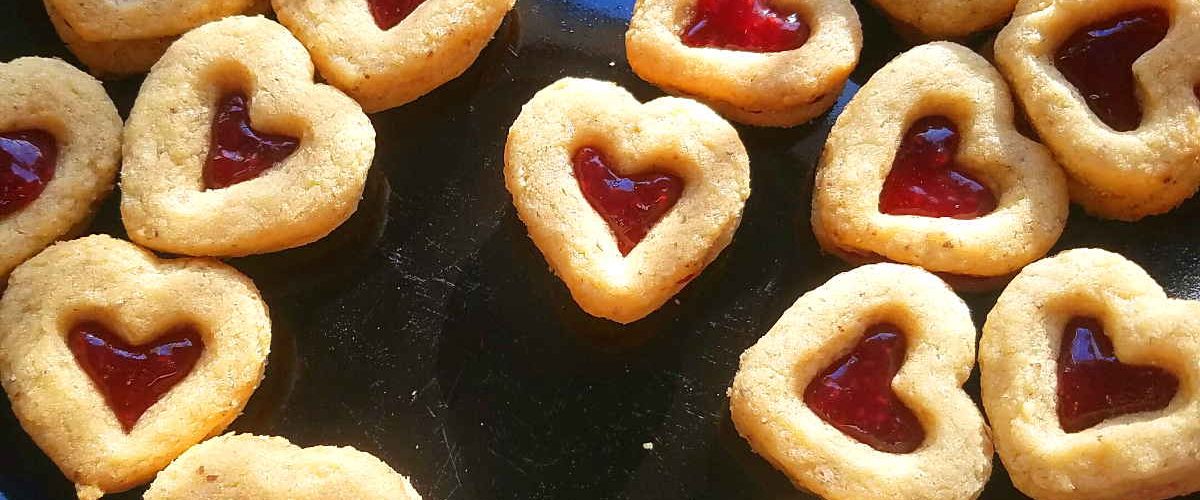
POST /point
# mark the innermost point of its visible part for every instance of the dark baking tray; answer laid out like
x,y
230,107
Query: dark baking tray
x,y
429,331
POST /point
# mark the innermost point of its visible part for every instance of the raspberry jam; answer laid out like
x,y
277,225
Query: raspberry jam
x,y
854,394
925,181
746,25
1093,385
237,152
1098,61
388,13
630,205
27,160
133,378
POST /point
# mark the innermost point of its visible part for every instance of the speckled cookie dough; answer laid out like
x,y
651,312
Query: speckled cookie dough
x,y
945,19
108,20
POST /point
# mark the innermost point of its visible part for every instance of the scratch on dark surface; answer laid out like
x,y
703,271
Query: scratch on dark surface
x,y
508,461
450,451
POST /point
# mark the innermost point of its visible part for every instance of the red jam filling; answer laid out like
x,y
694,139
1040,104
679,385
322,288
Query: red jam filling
x,y
237,152
854,394
132,378
27,160
925,181
1093,385
1098,60
630,205
746,25
389,13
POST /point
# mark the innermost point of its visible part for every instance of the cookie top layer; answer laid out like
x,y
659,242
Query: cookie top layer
x,y
108,20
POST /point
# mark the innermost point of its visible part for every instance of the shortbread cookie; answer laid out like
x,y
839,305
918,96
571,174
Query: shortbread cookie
x,y
385,53
856,393
1112,88
926,167
945,19
778,63
231,149
116,362
627,201
244,467
60,144
1088,374
108,20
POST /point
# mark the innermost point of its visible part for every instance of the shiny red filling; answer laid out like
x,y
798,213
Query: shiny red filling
x,y
27,160
854,394
1093,385
630,205
237,152
388,13
1098,60
925,180
132,378
747,25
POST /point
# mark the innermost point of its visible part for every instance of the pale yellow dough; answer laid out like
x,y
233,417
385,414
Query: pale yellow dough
x,y
109,20
164,203
767,404
1141,456
247,467
672,135
944,79
139,297
384,69
945,19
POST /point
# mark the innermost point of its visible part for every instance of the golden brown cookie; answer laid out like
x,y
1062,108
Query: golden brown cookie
x,y
245,467
1112,89
925,166
945,19
856,393
627,201
1088,376
60,144
231,149
383,54
108,20
116,362
781,66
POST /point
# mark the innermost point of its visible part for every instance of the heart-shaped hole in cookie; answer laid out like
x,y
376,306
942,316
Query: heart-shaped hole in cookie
x,y
630,205
237,152
926,181
1098,60
27,161
854,394
746,25
134,377
388,13
1093,385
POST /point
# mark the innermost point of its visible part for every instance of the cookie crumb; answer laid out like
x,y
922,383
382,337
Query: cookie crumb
x,y
647,446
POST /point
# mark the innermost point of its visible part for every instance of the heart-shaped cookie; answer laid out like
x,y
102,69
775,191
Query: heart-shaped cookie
x,y
100,412
108,20
385,53
576,164
1111,88
943,19
926,167
856,393
60,144
236,466
197,177
768,63
1088,376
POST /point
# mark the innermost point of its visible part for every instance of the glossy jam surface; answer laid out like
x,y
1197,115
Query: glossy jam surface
x,y
1098,60
746,25
388,13
854,394
237,152
132,378
27,160
925,180
630,205
1093,385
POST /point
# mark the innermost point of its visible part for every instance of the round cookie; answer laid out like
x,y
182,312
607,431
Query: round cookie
x,y
778,89
51,96
945,19
171,203
243,466
106,20
610,273
785,396
384,67
71,398
863,167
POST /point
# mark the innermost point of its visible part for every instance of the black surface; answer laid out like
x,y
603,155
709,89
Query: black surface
x,y
429,331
